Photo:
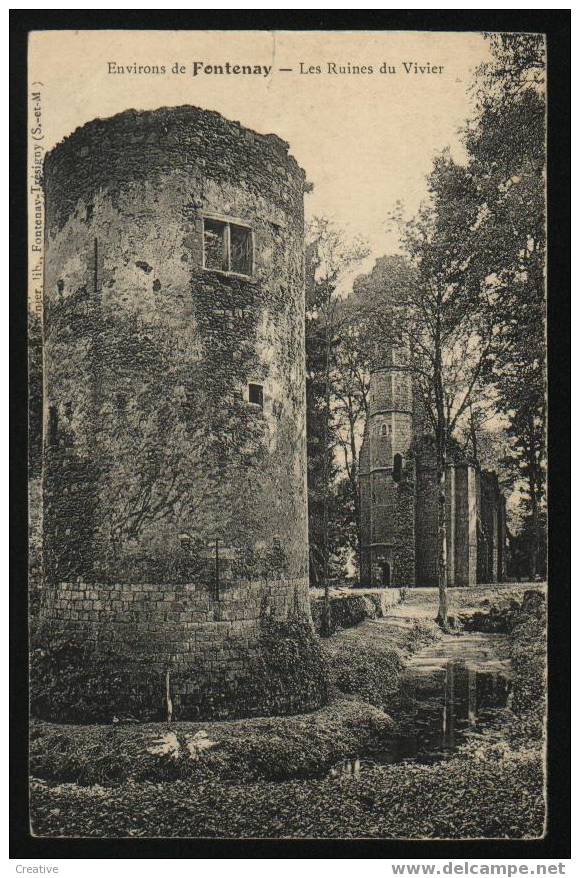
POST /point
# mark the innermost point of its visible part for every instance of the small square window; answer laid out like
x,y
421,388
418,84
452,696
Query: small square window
x,y
227,247
256,394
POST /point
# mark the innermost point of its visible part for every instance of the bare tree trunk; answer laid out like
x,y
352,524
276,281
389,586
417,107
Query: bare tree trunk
x,y
441,446
442,529
326,620
535,543
473,432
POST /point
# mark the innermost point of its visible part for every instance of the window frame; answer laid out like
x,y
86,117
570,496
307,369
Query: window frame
x,y
228,221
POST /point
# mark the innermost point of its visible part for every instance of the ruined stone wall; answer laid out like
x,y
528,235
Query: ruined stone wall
x,y
450,519
154,447
426,512
365,509
208,641
501,540
465,525
491,528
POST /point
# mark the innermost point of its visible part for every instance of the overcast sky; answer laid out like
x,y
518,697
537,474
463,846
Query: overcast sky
x,y
365,141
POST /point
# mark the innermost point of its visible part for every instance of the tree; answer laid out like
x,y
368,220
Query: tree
x,y
350,373
444,325
505,179
328,259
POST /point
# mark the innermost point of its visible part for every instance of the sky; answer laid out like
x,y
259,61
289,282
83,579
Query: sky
x,y
365,141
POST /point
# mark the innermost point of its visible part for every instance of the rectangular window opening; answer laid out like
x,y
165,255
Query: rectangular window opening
x,y
256,394
227,247
52,426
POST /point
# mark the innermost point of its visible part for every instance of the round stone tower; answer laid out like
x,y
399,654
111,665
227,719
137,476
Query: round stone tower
x,y
175,505
387,474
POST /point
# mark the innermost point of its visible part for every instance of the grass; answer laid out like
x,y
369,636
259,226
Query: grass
x,y
267,748
462,798
423,602
367,661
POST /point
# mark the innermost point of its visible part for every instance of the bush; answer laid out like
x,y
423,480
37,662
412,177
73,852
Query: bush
x,y
504,613
528,656
346,611
368,672
69,682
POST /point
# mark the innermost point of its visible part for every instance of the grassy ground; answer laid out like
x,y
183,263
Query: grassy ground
x,y
268,748
367,661
462,798
261,778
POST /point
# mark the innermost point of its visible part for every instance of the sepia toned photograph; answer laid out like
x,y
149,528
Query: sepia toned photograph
x,y
287,461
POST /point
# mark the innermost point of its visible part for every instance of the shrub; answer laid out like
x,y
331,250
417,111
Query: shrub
x,y
69,682
346,611
369,673
528,656
268,748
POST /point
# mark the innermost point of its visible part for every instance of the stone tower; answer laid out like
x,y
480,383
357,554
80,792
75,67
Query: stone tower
x,y
399,488
175,439
387,474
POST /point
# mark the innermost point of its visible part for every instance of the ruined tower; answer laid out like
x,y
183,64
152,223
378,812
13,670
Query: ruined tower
x,y
175,441
387,474
399,486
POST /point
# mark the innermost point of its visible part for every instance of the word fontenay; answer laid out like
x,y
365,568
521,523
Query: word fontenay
x,y
227,68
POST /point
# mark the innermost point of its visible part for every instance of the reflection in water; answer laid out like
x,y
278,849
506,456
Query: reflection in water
x,y
436,708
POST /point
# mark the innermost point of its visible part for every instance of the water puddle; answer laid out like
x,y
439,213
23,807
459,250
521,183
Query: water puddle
x,y
441,702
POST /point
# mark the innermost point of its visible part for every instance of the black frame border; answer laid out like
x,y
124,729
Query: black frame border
x,y
556,25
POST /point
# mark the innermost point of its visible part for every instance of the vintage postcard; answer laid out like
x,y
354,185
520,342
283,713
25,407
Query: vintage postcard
x,y
287,459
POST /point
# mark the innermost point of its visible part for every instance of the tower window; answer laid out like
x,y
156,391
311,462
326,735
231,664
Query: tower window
x,y
52,426
227,247
397,468
256,394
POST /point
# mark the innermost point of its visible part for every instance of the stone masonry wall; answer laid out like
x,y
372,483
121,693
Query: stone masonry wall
x,y
426,512
465,525
206,641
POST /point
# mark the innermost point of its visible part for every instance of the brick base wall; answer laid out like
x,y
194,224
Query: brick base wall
x,y
208,643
